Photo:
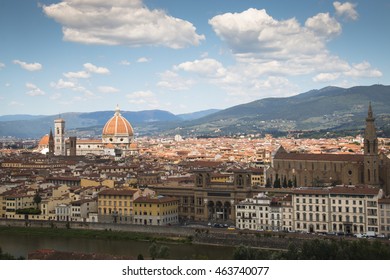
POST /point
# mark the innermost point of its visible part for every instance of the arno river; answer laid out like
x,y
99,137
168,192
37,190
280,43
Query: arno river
x,y
21,245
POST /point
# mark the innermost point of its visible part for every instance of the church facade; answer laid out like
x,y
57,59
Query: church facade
x,y
315,170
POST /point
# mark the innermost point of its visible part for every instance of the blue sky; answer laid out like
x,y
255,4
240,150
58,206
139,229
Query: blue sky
x,y
183,56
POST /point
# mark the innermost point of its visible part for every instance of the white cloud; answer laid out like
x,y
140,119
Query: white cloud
x,y
263,45
147,98
33,90
323,25
172,81
125,62
363,69
347,10
123,22
205,67
2,65
95,69
326,77
28,66
143,59
255,32
71,85
107,89
77,75
61,84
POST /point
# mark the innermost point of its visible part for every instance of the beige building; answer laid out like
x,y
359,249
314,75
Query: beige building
x,y
384,216
346,209
156,211
116,205
254,213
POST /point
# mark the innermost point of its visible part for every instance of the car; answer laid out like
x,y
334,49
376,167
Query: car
x,y
231,228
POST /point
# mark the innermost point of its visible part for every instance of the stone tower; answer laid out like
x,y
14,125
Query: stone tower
x,y
51,143
371,157
59,137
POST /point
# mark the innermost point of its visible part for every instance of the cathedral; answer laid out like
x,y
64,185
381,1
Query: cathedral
x,y
315,170
117,140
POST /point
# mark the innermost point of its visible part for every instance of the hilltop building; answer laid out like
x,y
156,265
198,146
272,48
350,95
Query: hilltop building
x,y
314,170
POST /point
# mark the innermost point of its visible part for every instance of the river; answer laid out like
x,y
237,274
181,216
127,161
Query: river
x,y
21,245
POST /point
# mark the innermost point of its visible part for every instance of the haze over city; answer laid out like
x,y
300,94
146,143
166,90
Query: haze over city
x,y
183,56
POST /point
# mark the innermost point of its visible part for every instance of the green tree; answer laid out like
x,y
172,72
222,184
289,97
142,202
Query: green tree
x,y
284,182
160,252
37,199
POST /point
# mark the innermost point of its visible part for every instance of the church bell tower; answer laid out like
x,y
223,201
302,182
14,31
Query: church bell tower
x,y
59,137
371,157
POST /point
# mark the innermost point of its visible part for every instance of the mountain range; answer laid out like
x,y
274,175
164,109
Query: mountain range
x,y
330,109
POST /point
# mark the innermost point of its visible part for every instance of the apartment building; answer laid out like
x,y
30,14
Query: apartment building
x,y
384,216
116,205
253,213
346,209
156,211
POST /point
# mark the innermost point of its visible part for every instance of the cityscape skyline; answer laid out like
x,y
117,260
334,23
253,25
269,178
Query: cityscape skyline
x,y
60,56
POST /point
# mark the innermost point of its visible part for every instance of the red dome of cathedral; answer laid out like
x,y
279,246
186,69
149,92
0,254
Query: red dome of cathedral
x,y
44,141
117,129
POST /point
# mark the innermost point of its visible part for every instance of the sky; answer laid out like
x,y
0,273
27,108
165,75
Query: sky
x,y
184,56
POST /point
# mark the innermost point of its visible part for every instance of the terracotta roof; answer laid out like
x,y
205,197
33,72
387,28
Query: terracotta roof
x,y
145,199
117,192
117,125
384,201
354,190
320,157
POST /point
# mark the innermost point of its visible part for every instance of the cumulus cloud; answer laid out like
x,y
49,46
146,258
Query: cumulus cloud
x,y
205,67
28,66
172,81
347,10
323,25
71,85
107,89
147,98
125,62
143,59
363,69
33,90
263,45
124,22
326,77
77,75
95,69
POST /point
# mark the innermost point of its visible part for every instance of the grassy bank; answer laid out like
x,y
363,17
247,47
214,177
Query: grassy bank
x,y
94,234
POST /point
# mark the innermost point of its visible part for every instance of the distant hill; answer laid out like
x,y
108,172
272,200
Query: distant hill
x,y
197,115
29,126
329,108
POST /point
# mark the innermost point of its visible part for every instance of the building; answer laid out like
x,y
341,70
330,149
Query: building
x,y
117,140
157,211
116,205
318,170
384,216
59,137
253,213
346,209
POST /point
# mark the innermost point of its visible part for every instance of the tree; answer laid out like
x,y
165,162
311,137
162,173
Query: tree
x,y
37,199
284,182
160,252
277,181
